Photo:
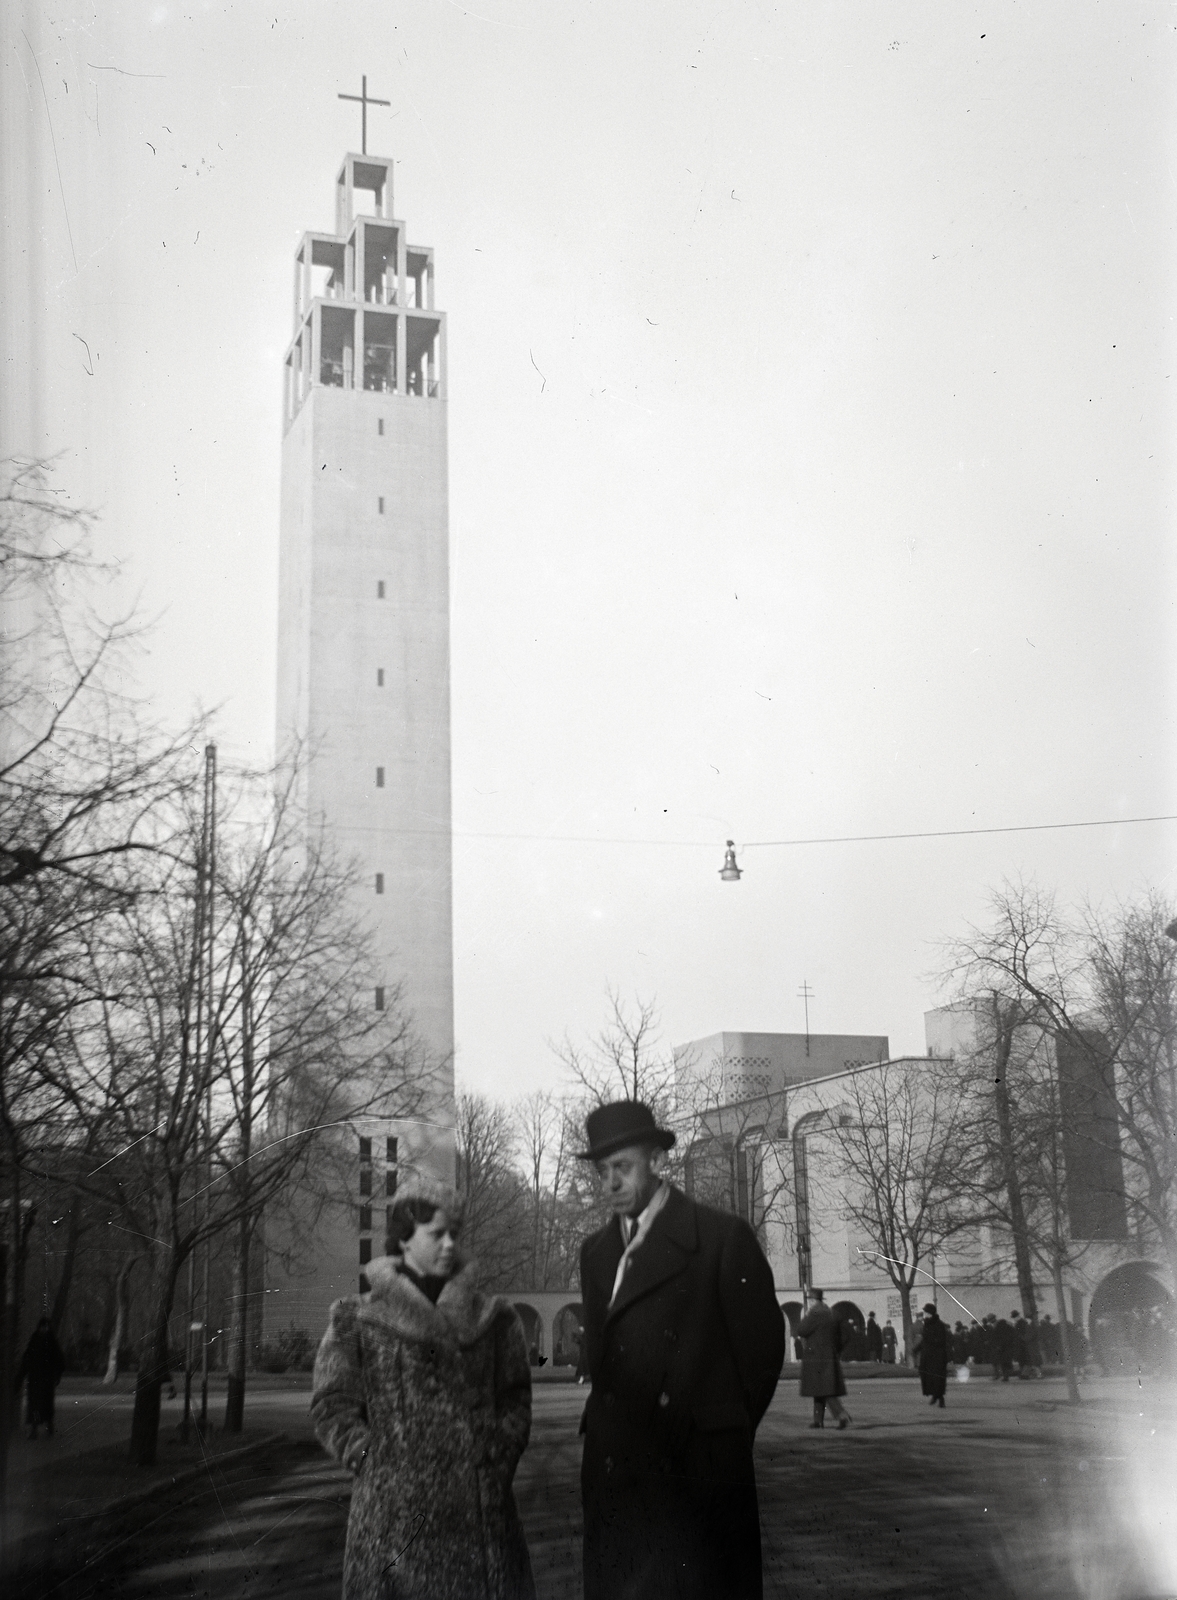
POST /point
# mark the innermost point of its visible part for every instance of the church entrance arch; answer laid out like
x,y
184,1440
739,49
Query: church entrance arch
x,y
1131,1323
853,1330
533,1329
566,1334
792,1312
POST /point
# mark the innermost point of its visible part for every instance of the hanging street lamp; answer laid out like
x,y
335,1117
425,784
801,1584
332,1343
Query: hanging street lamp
x,y
729,872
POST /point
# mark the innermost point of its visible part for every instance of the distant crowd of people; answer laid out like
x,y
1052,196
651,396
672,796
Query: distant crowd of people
x,y
1007,1344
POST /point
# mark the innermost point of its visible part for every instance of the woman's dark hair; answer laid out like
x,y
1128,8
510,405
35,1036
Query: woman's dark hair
x,y
404,1216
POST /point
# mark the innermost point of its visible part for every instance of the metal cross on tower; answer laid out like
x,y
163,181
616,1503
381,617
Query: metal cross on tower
x,y
365,100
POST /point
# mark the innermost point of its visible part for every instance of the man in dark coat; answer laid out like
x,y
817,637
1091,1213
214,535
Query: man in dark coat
x,y
874,1338
1003,1349
821,1370
40,1369
684,1342
934,1357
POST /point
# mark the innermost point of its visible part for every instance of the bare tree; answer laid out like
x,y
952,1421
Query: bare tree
x,y
82,771
546,1137
83,778
296,1044
1131,962
1101,990
898,1136
736,1150
495,1231
626,1060
225,1075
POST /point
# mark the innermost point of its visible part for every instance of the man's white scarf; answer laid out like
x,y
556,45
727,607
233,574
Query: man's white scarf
x,y
645,1222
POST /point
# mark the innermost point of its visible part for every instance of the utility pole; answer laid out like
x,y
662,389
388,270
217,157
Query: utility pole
x,y
200,921
807,994
210,833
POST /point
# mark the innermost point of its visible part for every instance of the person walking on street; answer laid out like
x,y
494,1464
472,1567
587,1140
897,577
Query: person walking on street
x,y
40,1371
1049,1342
821,1370
933,1355
1019,1328
1003,1349
684,1342
423,1392
874,1338
890,1343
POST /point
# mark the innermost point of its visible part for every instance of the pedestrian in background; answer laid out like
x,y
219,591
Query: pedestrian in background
x,y
890,1343
1003,1349
1049,1341
422,1391
874,1339
821,1370
933,1356
40,1371
1021,1355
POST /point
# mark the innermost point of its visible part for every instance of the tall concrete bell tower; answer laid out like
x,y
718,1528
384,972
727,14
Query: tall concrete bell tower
x,y
363,641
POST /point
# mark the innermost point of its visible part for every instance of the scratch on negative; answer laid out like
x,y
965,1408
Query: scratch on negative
x,y
53,141
544,385
98,67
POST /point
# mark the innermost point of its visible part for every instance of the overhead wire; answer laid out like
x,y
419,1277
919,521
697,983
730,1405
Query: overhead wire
x,y
839,838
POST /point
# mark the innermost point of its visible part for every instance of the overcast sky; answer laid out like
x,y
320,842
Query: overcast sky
x,y
811,449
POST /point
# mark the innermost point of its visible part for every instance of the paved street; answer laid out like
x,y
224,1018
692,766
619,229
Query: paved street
x,y
1007,1493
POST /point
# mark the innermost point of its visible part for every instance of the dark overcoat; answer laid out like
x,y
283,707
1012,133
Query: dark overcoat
x,y
430,1407
40,1368
683,1367
821,1371
933,1356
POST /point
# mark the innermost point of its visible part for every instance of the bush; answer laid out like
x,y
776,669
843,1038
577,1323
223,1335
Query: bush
x,y
292,1351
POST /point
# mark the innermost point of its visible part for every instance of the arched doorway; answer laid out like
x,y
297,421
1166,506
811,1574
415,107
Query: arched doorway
x,y
1131,1322
853,1322
792,1312
533,1330
566,1334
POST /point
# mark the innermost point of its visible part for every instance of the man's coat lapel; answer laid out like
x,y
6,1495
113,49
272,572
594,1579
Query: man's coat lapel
x,y
662,1254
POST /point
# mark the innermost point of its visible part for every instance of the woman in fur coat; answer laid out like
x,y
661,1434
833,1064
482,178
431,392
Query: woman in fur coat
x,y
422,1389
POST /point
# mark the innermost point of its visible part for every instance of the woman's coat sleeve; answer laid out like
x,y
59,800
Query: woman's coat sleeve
x,y
512,1389
338,1406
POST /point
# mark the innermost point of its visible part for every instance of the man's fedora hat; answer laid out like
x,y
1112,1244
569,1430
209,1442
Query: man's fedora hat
x,y
610,1128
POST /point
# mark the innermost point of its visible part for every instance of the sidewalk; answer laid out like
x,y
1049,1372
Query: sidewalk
x,y
85,1466
1009,1494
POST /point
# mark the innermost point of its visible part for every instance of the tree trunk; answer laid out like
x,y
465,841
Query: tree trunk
x,y
908,1325
1004,1030
239,1330
122,1307
9,1334
1060,1295
153,1367
61,1298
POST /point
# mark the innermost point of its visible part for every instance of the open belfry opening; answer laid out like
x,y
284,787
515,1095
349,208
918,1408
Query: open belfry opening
x,y
364,289
363,672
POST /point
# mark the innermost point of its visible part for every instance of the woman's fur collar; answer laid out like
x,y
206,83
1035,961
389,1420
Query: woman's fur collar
x,y
462,1314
